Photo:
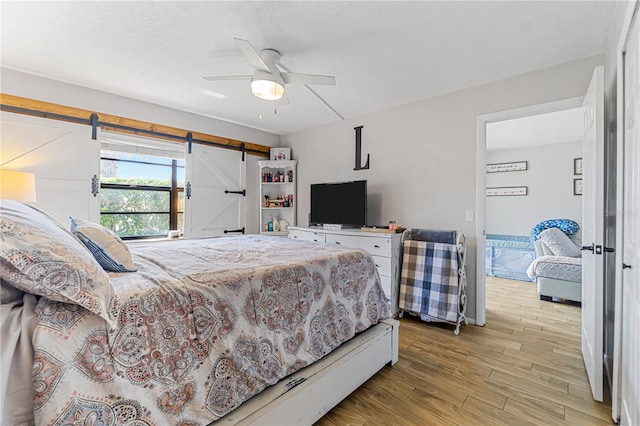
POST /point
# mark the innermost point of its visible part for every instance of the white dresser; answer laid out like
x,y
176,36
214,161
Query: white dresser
x,y
386,250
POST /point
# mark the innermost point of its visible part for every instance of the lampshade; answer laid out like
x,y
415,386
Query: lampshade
x,y
19,186
269,90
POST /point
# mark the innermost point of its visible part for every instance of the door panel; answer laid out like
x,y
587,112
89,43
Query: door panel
x,y
210,172
630,353
593,233
63,157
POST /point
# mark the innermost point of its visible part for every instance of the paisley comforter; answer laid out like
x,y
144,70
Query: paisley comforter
x,y
202,326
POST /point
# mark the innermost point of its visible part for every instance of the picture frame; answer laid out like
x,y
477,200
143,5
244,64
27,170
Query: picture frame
x,y
577,186
508,191
516,166
577,166
280,154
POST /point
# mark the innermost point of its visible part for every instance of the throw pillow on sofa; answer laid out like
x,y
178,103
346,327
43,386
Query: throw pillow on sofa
x,y
559,243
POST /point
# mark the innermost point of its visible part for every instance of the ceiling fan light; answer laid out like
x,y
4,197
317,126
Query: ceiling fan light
x,y
269,90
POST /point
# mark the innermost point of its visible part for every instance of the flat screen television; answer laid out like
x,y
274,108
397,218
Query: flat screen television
x,y
339,203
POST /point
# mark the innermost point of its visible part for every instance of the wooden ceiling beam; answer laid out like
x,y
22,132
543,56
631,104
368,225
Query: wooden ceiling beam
x,y
114,123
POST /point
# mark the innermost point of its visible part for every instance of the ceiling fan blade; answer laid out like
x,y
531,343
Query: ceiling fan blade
x,y
228,77
283,100
252,54
297,78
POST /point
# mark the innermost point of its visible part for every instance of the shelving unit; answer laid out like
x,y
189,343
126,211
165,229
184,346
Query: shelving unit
x,y
277,195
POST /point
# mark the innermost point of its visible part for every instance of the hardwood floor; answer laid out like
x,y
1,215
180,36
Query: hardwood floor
x,y
523,368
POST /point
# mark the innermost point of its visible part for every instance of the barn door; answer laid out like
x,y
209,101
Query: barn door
x,y
593,232
214,191
63,158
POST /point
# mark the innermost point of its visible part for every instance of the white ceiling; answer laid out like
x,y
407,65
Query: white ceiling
x,y
536,130
383,54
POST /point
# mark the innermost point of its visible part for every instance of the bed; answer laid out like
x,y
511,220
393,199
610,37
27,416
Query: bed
x,y
257,329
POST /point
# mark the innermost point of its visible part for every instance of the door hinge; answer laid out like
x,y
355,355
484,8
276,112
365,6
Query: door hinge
x,y
188,191
95,185
243,192
243,149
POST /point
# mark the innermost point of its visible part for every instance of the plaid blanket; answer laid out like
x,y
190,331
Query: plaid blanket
x,y
429,281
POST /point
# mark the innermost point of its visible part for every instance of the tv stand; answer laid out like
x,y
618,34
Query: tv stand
x,y
385,249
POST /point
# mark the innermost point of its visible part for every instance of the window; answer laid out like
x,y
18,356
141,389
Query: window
x,y
141,194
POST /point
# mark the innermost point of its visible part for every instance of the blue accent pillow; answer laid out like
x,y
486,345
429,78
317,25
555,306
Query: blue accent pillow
x,y
568,226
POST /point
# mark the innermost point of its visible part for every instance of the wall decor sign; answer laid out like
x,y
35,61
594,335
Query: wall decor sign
x,y
577,166
517,166
577,187
507,191
359,165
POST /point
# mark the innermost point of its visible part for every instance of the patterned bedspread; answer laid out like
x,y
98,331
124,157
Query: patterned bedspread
x,y
201,327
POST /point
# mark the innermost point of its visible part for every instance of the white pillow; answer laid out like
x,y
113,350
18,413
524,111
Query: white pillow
x,y
559,243
108,249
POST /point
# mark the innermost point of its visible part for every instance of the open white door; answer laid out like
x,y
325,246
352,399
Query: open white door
x,y
630,353
214,191
593,232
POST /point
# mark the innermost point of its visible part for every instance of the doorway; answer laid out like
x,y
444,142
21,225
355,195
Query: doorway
x,y
481,190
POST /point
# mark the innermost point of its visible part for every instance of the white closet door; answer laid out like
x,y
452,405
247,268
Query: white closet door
x,y
630,354
593,232
63,157
213,179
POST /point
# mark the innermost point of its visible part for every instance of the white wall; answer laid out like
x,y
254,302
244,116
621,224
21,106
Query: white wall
x,y
423,155
549,179
34,87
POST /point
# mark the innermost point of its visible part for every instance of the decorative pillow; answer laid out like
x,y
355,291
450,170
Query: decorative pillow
x,y
39,257
108,249
568,226
559,243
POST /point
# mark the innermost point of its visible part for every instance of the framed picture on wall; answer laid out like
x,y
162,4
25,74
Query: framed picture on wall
x,y
507,191
577,166
577,187
517,166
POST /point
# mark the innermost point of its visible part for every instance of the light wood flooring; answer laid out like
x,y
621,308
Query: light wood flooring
x,y
523,368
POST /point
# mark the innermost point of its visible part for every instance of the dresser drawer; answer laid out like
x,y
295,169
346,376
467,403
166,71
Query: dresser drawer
x,y
297,234
374,245
386,285
383,264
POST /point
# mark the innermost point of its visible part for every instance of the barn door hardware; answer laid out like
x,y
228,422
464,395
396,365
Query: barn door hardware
x,y
95,185
241,230
625,266
188,190
243,192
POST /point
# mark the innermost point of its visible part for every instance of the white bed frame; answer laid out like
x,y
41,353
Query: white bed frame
x,y
305,396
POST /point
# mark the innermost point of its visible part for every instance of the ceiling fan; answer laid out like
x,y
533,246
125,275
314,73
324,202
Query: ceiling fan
x,y
268,82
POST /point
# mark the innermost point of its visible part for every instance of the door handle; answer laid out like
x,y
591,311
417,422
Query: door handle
x,y
226,231
243,192
590,248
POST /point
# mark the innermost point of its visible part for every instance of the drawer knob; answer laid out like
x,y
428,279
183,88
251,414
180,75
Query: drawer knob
x,y
376,246
337,242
